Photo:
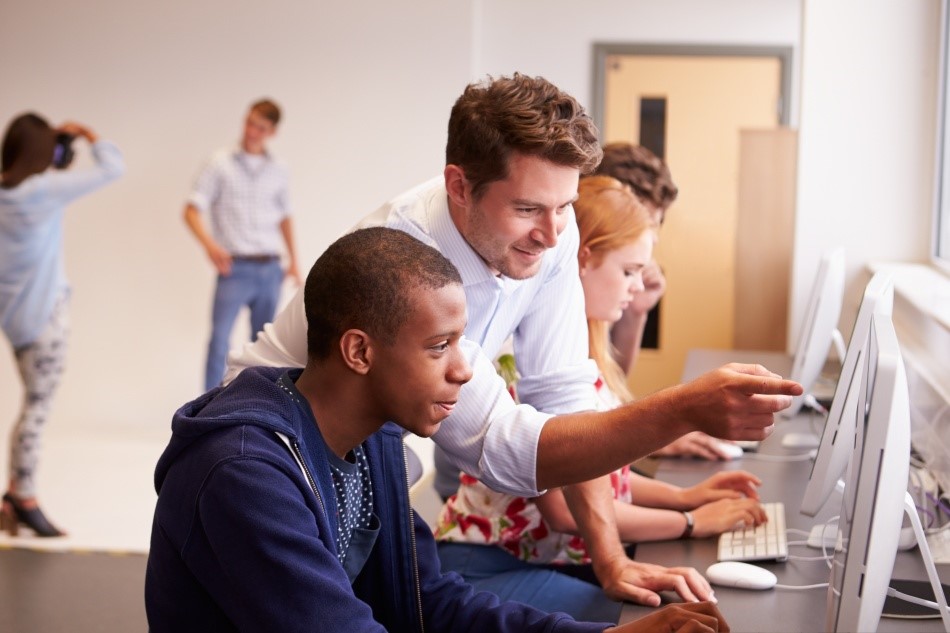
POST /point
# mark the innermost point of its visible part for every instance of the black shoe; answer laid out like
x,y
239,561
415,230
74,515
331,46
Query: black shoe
x,y
13,513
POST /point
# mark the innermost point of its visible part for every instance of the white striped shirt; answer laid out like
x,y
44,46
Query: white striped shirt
x,y
487,435
245,197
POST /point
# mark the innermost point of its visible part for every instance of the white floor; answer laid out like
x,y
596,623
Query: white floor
x,y
97,485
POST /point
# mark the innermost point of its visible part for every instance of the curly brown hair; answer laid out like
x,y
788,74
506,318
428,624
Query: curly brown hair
x,y
499,116
641,170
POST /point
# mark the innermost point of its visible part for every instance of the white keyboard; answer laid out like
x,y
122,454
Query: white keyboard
x,y
765,542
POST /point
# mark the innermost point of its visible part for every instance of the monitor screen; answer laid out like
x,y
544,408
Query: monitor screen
x,y
819,325
837,438
872,507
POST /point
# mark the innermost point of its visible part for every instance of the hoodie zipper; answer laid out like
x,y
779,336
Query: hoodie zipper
x,y
412,539
306,472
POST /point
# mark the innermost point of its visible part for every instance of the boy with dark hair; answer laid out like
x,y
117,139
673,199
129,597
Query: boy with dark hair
x,y
501,213
283,499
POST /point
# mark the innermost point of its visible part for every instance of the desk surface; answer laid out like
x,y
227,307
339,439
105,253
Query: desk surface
x,y
785,481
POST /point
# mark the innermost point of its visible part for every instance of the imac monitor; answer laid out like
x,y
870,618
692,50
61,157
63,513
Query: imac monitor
x,y
837,439
872,508
820,324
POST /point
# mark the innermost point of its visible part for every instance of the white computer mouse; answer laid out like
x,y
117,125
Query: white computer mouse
x,y
740,575
732,451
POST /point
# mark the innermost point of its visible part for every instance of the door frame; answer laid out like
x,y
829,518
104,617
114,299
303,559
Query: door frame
x,y
602,50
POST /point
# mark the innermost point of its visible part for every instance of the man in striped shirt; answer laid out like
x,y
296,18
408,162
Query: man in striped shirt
x,y
243,191
502,213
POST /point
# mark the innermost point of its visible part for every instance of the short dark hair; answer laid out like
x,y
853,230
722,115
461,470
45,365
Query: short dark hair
x,y
267,109
365,280
530,115
641,170
27,148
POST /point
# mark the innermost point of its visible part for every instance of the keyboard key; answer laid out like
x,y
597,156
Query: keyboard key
x,y
765,542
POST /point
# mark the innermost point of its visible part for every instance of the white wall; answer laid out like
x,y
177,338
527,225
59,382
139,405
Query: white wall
x,y
865,169
555,38
366,87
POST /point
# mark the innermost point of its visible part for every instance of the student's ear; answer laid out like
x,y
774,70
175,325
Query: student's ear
x,y
583,259
456,185
356,351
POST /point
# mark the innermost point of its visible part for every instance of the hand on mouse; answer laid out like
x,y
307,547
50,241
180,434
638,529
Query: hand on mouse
x,y
690,617
633,581
695,444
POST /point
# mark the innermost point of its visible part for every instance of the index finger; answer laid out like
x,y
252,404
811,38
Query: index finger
x,y
767,385
753,369
695,581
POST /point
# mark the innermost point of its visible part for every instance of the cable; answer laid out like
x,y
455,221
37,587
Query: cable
x,y
939,503
917,462
930,515
821,585
811,558
798,457
797,531
812,402
937,530
824,546
917,484
900,595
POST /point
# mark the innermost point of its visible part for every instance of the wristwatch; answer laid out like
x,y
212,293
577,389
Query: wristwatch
x,y
688,530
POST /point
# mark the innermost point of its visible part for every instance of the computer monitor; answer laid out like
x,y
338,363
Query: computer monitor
x,y
837,438
819,326
872,508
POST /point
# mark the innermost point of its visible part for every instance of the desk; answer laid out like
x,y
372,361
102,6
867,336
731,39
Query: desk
x,y
777,609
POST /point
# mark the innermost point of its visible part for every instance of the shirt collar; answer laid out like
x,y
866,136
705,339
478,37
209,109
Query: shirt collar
x,y
453,245
239,154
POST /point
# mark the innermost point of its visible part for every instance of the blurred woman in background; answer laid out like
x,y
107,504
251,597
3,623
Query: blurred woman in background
x,y
35,188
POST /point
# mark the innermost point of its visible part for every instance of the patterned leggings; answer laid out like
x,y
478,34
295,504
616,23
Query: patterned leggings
x,y
41,366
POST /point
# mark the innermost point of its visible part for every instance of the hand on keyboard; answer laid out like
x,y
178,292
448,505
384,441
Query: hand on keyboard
x,y
766,541
727,484
723,515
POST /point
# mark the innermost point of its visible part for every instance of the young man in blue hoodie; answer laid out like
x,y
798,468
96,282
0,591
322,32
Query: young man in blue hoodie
x,y
283,497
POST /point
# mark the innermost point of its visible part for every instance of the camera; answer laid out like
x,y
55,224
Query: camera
x,y
63,150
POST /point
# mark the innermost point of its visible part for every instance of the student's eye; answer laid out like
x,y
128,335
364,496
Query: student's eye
x,y
525,210
441,347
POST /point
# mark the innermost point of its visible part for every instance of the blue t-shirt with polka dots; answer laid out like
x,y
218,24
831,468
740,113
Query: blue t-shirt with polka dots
x,y
358,525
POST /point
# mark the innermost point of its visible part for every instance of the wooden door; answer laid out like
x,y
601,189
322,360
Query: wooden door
x,y
706,101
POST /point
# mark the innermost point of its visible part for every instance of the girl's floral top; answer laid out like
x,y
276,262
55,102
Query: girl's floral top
x,y
478,514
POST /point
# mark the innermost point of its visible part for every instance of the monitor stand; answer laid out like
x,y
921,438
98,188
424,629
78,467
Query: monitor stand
x,y
911,511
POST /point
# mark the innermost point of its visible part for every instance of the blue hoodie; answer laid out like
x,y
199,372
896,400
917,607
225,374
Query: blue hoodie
x,y
243,537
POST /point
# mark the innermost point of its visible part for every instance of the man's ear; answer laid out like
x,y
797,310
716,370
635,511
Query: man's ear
x,y
456,185
583,259
356,351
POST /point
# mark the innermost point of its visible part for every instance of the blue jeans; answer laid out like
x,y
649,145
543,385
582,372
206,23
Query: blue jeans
x,y
252,284
490,568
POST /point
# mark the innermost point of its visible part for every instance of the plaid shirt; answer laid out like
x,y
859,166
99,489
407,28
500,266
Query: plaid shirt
x,y
246,199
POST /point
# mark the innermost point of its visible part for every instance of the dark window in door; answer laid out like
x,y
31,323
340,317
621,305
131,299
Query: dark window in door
x,y
653,137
